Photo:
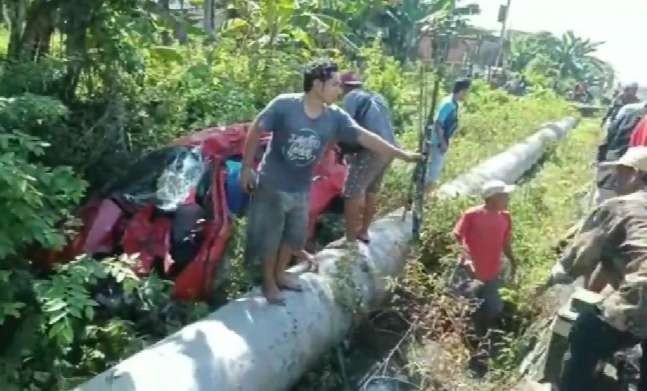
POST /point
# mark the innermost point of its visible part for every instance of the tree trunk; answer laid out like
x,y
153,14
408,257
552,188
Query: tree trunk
x,y
166,37
41,20
209,15
75,28
15,14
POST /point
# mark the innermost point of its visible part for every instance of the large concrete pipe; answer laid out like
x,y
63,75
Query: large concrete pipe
x,y
248,345
511,164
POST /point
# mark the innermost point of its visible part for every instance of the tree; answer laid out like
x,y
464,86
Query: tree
x,y
574,55
564,60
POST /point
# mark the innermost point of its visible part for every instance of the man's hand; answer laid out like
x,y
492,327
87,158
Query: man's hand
x,y
248,180
411,157
469,268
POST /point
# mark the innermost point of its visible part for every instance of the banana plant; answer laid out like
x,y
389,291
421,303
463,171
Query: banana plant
x,y
269,23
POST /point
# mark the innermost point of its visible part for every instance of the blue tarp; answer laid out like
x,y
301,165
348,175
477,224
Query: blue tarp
x,y
236,198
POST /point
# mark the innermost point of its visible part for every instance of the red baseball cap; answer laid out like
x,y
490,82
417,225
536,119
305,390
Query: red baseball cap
x,y
350,79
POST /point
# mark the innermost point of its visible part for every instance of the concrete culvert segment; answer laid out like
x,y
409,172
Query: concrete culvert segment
x,y
248,345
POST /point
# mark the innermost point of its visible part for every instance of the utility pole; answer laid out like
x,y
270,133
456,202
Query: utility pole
x,y
208,14
504,12
441,36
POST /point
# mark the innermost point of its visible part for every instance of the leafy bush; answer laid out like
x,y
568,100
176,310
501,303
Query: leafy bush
x,y
86,316
35,197
31,113
42,78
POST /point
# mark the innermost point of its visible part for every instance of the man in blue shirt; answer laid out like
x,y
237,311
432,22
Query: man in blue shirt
x,y
445,125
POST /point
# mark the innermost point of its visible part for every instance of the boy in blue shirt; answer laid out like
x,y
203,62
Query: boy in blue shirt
x,y
445,125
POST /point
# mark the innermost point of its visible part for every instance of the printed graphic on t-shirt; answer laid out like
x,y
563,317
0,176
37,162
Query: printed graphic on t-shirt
x,y
302,147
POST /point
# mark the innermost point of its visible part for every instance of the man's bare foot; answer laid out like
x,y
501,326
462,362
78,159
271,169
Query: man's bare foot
x,y
288,281
364,238
273,295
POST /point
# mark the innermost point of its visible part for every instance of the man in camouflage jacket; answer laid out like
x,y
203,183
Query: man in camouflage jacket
x,y
615,236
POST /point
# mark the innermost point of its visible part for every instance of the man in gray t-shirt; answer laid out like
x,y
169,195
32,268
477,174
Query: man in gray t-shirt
x,y
298,141
302,125
367,169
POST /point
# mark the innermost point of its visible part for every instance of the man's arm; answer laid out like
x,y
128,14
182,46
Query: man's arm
x,y
385,150
459,232
507,251
266,120
249,153
584,254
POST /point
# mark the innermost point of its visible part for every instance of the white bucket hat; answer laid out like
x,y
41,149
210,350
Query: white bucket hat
x,y
493,187
635,157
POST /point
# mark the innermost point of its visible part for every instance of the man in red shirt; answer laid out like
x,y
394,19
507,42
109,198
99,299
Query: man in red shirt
x,y
485,233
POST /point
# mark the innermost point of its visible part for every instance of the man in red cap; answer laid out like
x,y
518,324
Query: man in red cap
x,y
367,169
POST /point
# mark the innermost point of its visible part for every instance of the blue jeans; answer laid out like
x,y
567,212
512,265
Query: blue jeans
x,y
490,304
435,165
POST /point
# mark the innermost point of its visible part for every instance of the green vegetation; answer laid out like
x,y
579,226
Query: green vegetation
x,y
88,86
559,62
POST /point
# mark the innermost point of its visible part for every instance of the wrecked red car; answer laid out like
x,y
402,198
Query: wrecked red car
x,y
175,208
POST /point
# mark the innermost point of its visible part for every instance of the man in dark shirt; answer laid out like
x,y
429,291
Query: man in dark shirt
x,y
627,96
366,169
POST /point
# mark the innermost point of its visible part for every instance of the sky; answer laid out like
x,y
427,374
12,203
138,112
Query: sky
x,y
621,24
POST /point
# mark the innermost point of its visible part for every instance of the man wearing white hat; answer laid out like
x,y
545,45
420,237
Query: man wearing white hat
x,y
485,233
614,236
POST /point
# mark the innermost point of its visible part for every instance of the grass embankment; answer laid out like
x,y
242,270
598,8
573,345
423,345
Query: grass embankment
x,y
543,209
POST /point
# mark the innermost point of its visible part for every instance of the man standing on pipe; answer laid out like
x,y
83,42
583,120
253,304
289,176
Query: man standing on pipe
x,y
366,169
615,236
444,128
302,125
